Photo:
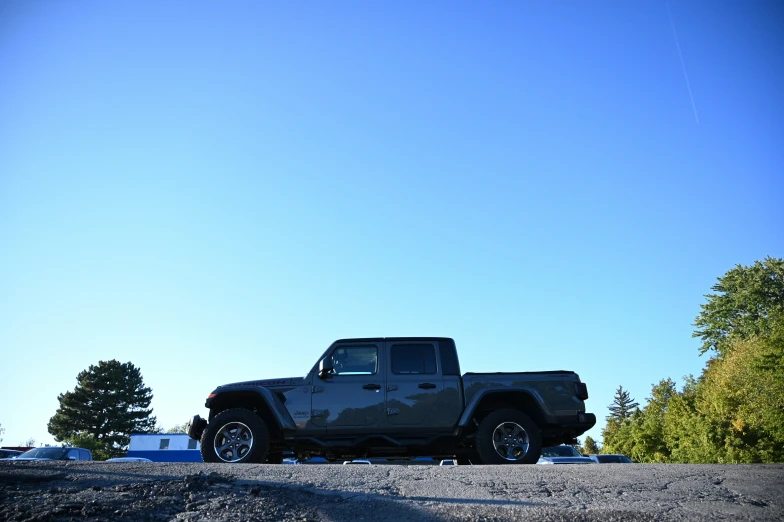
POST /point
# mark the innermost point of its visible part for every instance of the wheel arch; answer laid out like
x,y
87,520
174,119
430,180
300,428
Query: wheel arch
x,y
521,399
265,403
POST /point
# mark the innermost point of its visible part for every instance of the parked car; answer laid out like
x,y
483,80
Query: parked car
x,y
448,462
128,459
358,461
9,453
562,455
55,453
611,459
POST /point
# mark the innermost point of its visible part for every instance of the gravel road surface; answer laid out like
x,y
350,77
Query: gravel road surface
x,y
200,492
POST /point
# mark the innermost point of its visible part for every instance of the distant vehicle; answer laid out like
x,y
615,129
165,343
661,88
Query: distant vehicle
x,y
448,462
292,461
611,459
9,453
562,455
55,453
128,459
358,461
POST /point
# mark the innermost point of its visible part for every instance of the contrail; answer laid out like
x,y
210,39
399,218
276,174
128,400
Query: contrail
x,y
683,66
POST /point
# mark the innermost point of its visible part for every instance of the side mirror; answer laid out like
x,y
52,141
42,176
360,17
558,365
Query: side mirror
x,y
325,367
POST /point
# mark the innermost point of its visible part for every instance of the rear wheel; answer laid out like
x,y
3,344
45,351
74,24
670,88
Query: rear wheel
x,y
235,436
508,437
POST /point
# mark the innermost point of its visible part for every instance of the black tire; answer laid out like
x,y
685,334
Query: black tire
x,y
236,436
508,437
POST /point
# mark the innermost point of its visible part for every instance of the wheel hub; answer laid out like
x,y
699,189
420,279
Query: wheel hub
x,y
233,441
510,441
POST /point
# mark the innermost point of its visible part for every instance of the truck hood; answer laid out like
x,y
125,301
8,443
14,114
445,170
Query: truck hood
x,y
268,383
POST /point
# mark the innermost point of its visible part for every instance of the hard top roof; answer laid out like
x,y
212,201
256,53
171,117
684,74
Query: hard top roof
x,y
381,339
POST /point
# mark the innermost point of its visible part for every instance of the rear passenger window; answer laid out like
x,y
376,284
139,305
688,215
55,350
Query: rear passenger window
x,y
413,358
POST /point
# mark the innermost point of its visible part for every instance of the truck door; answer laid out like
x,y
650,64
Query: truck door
x,y
352,395
414,383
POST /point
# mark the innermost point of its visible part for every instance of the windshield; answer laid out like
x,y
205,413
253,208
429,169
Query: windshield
x,y
560,451
45,453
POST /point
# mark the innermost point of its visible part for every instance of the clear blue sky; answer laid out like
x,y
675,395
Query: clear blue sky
x,y
217,192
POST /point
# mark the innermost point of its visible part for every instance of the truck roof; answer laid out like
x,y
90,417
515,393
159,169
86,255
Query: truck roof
x,y
380,339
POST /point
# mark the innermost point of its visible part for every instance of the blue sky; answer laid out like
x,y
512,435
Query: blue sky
x,y
216,193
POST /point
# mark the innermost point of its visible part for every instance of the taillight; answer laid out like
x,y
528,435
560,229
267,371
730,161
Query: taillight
x,y
582,390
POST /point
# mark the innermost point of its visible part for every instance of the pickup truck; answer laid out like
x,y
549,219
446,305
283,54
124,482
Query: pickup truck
x,y
394,398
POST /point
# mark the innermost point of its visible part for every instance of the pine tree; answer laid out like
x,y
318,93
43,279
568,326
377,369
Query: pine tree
x,y
622,407
109,403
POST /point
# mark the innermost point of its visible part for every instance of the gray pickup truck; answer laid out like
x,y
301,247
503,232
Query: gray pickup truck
x,y
394,398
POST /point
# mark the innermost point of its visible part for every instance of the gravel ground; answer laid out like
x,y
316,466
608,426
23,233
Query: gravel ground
x,y
200,492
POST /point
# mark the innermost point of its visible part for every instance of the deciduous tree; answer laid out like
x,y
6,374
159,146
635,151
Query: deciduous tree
x,y
745,300
590,447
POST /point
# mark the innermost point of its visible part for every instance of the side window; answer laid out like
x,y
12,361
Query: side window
x,y
73,454
164,444
192,444
355,360
413,358
85,455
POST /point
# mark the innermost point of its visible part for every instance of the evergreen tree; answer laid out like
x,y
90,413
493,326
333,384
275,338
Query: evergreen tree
x,y
109,403
622,406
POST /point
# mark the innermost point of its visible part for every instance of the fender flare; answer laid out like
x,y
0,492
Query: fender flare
x,y
476,400
270,399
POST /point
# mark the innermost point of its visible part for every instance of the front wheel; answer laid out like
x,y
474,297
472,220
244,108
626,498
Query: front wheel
x,y
235,436
508,437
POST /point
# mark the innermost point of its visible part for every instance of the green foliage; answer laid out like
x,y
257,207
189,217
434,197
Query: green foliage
x,y
109,403
747,298
623,405
742,396
734,412
178,428
590,447
648,427
687,432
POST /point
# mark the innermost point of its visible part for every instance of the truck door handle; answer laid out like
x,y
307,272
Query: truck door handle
x,y
427,385
371,387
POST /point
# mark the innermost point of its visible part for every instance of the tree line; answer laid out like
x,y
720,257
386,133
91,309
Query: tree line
x,y
733,412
